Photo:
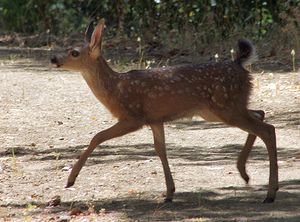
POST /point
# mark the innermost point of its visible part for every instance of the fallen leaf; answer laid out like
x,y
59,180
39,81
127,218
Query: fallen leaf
x,y
75,212
55,201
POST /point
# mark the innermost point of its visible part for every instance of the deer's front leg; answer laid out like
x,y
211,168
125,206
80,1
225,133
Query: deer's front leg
x,y
160,148
244,154
119,129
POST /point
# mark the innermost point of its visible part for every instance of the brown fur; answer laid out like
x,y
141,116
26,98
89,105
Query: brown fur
x,y
214,91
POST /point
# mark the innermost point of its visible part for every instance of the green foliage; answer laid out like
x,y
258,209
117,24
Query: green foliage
x,y
208,19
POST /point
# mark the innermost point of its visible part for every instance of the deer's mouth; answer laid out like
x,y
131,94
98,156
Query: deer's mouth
x,y
55,61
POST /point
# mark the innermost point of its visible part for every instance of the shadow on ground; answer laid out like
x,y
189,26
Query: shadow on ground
x,y
239,204
191,155
196,154
286,119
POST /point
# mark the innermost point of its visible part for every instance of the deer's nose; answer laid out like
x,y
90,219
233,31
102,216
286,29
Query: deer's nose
x,y
54,60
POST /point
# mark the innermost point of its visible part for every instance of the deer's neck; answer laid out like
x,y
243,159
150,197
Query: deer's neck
x,y
102,81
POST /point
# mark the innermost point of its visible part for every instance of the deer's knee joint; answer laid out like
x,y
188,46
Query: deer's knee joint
x,y
259,114
271,130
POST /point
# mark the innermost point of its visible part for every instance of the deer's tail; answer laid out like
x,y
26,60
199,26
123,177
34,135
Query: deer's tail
x,y
246,53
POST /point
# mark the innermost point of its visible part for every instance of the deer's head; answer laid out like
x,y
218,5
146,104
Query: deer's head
x,y
79,58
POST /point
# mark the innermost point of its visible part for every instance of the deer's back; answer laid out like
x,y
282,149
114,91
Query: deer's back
x,y
163,94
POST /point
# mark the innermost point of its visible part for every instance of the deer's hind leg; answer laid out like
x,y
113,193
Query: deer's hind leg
x,y
247,122
244,154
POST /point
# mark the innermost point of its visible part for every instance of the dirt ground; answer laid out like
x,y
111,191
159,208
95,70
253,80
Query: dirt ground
x,y
48,116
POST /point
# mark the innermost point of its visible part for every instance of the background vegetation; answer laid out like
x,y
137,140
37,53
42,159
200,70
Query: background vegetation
x,y
193,22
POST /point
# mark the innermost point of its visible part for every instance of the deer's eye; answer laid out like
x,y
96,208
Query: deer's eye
x,y
75,53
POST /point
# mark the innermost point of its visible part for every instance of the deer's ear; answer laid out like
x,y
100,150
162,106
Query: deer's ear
x,y
96,39
89,31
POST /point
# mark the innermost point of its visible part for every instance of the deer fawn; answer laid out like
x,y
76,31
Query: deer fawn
x,y
214,91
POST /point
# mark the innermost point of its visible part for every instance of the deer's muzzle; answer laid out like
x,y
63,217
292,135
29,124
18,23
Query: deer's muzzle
x,y
54,60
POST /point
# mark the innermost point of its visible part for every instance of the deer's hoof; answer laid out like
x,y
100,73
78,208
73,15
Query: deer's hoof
x,y
168,200
246,179
69,184
269,200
